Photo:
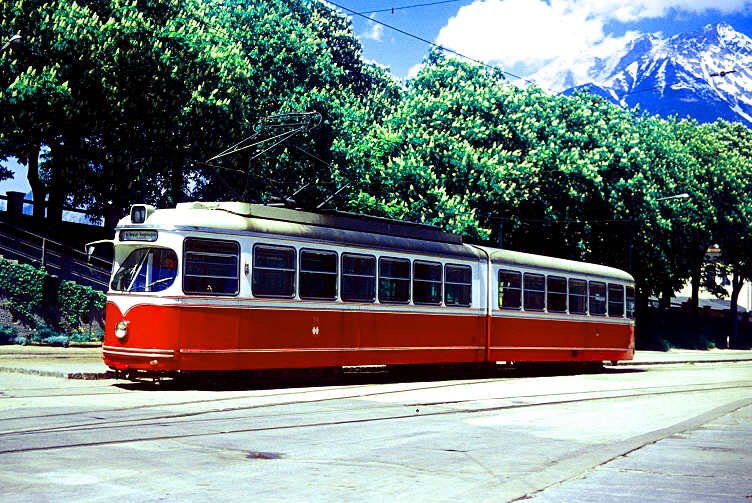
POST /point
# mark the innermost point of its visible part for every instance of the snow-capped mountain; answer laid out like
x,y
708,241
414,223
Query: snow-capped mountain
x,y
706,75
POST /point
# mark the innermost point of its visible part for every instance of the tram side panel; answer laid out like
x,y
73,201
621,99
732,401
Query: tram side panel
x,y
295,332
273,338
291,335
262,338
546,314
208,336
415,338
452,331
531,339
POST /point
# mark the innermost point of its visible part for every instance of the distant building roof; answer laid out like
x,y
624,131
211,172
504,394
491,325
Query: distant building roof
x,y
715,304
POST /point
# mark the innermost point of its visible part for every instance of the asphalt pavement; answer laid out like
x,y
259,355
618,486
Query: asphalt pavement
x,y
661,448
86,362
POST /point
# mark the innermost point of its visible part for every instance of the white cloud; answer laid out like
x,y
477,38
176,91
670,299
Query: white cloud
x,y
414,70
519,31
375,33
533,32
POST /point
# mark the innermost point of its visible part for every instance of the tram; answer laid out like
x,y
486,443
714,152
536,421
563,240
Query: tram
x,y
229,286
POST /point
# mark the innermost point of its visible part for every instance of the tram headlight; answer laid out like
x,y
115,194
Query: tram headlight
x,y
121,329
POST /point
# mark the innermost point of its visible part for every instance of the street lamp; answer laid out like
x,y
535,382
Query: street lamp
x,y
12,42
684,196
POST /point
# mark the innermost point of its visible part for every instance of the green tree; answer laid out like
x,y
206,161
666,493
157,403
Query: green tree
x,y
127,94
467,151
304,57
570,176
731,229
664,254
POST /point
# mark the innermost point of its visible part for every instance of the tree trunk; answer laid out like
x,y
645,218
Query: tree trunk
x,y
38,189
57,187
665,302
736,286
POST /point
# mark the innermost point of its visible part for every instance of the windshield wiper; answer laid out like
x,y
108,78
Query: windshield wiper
x,y
158,282
137,270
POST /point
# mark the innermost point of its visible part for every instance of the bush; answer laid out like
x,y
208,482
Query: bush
x,y
50,337
7,335
81,335
33,294
57,340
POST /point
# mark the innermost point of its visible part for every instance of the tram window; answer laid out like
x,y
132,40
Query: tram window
x,y
510,289
426,282
630,302
394,280
358,278
211,267
615,300
273,271
535,292
318,275
458,287
556,288
146,270
577,296
597,298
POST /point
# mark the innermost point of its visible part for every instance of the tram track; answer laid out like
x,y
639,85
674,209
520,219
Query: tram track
x,y
297,392
233,385
263,393
130,429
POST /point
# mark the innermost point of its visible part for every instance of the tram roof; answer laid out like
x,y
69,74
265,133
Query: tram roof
x,y
345,228
348,228
542,262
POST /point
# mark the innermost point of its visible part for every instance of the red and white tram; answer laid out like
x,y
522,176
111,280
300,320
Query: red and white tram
x,y
236,286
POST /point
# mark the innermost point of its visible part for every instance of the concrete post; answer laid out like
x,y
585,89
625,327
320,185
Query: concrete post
x,y
15,202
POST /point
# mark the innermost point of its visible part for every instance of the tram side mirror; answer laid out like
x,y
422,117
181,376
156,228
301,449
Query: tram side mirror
x,y
89,247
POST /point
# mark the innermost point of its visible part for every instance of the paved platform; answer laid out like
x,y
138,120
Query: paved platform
x,y
683,356
86,362
68,363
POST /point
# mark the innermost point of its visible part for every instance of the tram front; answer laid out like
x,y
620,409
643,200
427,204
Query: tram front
x,y
142,321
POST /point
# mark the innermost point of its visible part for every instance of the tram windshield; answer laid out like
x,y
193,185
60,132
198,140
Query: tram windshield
x,y
146,270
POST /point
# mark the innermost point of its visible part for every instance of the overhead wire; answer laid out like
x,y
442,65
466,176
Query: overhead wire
x,y
235,148
364,14
392,9
432,44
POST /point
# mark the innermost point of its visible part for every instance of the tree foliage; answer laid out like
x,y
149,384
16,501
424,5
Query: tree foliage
x,y
130,98
569,176
126,94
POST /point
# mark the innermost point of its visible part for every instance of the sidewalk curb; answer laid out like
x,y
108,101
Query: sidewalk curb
x,y
87,376
110,374
632,363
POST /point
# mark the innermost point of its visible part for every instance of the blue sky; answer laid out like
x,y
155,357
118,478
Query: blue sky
x,y
524,35
520,35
